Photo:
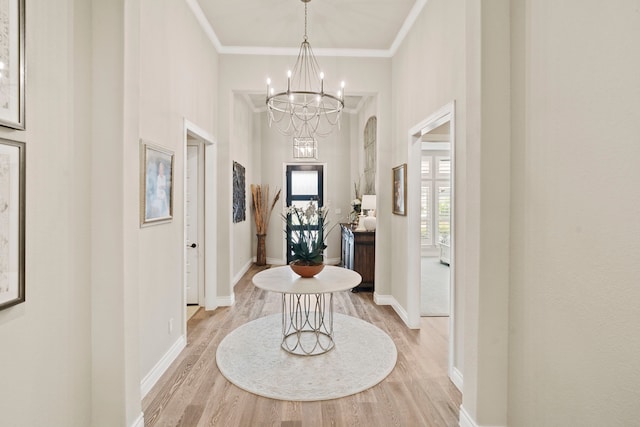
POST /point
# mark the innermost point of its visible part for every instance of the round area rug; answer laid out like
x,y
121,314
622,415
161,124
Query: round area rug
x,y
251,358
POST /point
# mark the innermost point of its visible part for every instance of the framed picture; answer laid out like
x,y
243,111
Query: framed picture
x,y
12,68
400,189
156,184
12,184
239,195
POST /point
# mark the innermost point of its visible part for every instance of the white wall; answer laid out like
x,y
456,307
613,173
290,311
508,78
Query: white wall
x,y
428,73
334,151
46,342
248,74
177,81
574,316
243,151
100,290
367,111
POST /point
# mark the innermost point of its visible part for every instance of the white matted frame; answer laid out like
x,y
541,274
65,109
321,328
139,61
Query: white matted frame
x,y
12,236
12,64
156,184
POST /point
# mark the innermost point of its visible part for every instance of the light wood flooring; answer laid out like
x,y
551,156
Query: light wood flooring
x,y
418,392
191,310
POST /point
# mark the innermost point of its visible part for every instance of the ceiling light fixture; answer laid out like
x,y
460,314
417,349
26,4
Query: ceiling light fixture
x,y
305,110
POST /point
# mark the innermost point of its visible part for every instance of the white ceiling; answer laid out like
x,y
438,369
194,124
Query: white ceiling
x,y
360,28
335,27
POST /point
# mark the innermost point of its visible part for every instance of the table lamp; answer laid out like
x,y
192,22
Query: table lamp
x,y
369,205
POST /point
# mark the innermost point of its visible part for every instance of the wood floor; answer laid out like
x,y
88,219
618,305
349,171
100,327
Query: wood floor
x,y
418,392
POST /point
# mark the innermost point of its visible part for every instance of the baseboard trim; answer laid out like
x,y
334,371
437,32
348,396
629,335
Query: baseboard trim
x,y
383,299
139,422
163,364
405,316
400,311
332,261
467,421
240,273
275,261
227,301
456,378
211,308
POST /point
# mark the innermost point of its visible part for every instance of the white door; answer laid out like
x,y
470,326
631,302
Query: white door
x,y
192,225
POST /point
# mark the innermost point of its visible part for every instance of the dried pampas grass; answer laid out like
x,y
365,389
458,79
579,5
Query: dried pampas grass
x,y
261,207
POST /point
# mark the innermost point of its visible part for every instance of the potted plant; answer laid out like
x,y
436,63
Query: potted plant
x,y
308,230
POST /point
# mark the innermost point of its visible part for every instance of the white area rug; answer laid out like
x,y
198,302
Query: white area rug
x,y
434,291
251,358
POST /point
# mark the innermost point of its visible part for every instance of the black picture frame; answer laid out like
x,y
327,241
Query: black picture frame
x,y
399,189
239,193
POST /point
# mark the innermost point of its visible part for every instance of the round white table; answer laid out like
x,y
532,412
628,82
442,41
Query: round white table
x,y
307,313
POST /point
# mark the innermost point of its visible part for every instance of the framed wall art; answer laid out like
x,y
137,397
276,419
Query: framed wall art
x,y
12,206
156,184
400,189
239,195
12,64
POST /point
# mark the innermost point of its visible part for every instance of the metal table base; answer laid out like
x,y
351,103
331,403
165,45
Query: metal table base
x,y
307,323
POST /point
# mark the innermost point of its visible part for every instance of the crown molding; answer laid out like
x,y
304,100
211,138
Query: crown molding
x,y
204,24
251,105
293,51
406,26
358,108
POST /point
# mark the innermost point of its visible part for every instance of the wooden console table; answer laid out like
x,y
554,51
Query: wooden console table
x,y
359,254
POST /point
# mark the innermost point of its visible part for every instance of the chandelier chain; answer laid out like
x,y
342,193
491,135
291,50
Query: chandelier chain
x,y
305,21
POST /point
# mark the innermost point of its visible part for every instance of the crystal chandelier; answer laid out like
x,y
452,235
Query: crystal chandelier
x,y
305,110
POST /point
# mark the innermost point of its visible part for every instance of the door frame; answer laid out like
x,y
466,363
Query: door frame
x,y
207,245
439,117
199,146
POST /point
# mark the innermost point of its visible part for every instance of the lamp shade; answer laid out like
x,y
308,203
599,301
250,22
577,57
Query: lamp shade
x,y
368,202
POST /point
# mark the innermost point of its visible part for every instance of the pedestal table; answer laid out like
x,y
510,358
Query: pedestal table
x,y
307,305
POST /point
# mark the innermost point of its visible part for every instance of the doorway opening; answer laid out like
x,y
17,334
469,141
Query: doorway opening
x,y
431,238
304,185
435,222
193,224
199,257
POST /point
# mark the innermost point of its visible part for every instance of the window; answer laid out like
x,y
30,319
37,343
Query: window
x,y
444,211
304,182
435,201
426,196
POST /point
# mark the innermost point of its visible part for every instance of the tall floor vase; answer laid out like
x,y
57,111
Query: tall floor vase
x,y
261,252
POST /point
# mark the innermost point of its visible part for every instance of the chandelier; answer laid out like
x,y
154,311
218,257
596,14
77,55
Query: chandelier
x,y
305,110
